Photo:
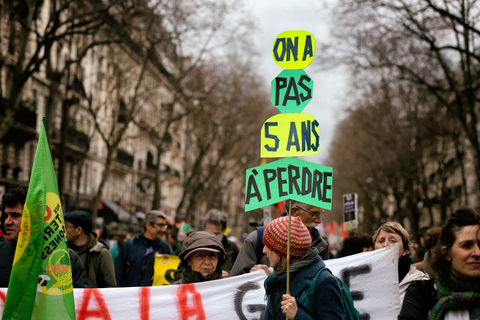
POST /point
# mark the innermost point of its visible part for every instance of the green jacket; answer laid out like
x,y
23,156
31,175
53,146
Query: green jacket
x,y
97,260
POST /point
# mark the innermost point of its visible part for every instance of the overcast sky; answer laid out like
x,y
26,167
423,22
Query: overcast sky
x,y
275,16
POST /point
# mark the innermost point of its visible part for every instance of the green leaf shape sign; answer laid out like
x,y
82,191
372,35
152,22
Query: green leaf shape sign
x,y
290,135
289,178
291,91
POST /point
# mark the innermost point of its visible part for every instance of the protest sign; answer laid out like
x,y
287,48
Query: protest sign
x,y
372,277
350,211
289,178
289,135
293,49
291,91
164,268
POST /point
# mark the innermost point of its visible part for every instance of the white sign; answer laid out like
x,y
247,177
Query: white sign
x,y
372,277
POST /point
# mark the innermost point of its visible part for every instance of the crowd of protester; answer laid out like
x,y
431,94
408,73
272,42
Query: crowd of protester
x,y
438,273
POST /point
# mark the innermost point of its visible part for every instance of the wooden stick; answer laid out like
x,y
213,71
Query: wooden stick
x,y
288,245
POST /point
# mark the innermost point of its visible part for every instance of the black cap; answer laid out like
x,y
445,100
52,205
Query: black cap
x,y
80,219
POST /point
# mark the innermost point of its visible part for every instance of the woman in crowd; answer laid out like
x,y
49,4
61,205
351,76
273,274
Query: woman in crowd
x,y
202,257
392,233
455,293
304,265
430,240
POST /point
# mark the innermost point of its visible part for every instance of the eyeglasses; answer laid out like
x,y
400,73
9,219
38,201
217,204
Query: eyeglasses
x,y
210,254
67,226
161,225
318,213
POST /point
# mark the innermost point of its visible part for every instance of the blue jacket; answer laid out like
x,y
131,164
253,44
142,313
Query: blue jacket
x,y
328,295
134,265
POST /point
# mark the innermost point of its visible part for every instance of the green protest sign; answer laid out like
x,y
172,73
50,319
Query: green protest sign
x,y
291,91
289,178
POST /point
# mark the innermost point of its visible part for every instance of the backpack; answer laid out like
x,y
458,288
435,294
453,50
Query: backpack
x,y
260,245
307,302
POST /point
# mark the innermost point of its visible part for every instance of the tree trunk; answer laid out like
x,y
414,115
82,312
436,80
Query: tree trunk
x,y
105,175
157,196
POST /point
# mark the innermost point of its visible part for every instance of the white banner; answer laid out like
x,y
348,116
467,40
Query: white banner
x,y
372,277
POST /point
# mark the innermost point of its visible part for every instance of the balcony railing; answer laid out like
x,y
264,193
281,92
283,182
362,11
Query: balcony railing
x,y
77,138
124,158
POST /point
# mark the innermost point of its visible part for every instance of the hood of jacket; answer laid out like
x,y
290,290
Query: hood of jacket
x,y
93,244
202,239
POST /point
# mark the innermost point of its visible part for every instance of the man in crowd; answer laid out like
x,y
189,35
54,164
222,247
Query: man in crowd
x,y
134,264
12,210
216,222
251,257
94,253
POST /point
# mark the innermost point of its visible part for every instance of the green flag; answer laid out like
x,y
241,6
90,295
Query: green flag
x,y
40,285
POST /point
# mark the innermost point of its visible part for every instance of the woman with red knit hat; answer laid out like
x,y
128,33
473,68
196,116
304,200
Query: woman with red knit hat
x,y
304,265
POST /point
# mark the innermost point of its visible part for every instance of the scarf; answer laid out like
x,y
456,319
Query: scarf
x,y
275,284
456,294
190,276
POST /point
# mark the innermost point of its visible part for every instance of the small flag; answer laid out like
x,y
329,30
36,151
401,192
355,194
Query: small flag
x,y
40,285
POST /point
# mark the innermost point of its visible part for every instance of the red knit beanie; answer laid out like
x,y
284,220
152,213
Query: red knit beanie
x,y
275,237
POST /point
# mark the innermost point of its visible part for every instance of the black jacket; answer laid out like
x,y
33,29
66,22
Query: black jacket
x,y
134,265
7,253
420,297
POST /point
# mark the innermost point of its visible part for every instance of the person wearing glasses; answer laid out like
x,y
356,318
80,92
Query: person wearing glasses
x,y
94,253
251,258
12,209
134,263
201,258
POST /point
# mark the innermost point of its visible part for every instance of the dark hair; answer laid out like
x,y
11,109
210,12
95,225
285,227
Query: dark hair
x,y
461,218
355,244
13,197
431,237
421,233
216,217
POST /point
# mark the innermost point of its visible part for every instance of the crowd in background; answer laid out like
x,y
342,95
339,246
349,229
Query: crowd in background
x,y
438,271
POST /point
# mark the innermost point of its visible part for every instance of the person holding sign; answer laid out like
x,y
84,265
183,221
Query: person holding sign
x,y
202,258
249,261
322,300
391,233
454,293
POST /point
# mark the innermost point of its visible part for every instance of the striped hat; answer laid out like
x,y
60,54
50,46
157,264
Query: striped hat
x,y
275,237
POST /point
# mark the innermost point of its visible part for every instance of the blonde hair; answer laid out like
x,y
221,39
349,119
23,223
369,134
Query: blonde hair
x,y
395,227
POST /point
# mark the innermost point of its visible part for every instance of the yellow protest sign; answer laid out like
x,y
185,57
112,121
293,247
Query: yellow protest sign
x,y
294,49
164,268
289,135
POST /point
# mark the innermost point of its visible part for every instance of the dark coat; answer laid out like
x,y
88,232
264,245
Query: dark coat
x,y
327,295
420,297
231,254
7,253
97,260
134,266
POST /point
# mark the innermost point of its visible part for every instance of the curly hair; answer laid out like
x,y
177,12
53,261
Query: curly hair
x,y
461,218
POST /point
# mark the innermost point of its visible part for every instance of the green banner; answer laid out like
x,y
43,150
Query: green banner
x,y
40,285
289,178
291,91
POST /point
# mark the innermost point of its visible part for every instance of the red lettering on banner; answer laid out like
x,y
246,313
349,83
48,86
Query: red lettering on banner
x,y
101,312
3,296
144,303
183,308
